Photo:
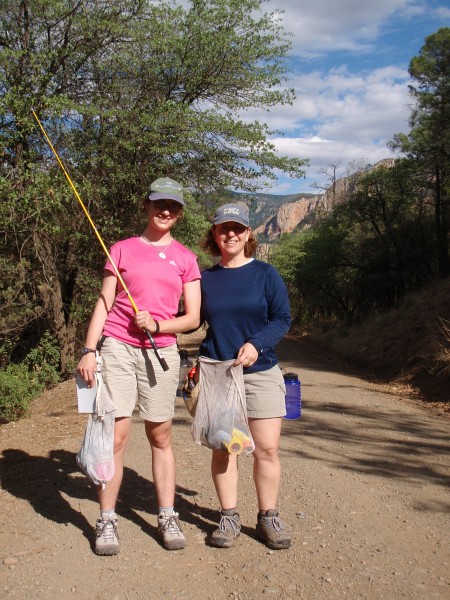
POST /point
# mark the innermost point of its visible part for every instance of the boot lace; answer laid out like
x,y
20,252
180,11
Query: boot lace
x,y
227,522
276,523
107,531
172,525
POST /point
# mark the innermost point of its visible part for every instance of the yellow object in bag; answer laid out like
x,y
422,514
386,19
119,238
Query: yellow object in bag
x,y
239,442
220,420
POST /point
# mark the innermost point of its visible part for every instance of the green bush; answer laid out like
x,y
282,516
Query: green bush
x,y
17,389
21,383
43,361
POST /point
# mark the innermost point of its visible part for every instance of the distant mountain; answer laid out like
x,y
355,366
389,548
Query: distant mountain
x,y
273,215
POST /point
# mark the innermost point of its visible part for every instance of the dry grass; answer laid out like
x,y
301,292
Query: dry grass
x,y
442,366
410,344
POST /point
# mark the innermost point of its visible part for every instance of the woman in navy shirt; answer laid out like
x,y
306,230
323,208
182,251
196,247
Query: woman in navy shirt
x,y
245,304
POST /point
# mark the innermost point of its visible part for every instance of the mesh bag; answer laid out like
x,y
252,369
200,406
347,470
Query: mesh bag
x,y
96,455
220,421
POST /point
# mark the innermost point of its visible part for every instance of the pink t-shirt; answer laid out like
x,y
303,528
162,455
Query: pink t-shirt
x,y
155,284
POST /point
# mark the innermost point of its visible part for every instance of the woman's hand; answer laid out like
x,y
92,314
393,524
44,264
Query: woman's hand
x,y
87,367
144,320
247,356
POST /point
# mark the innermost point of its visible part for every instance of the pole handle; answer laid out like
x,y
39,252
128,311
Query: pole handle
x,y
162,361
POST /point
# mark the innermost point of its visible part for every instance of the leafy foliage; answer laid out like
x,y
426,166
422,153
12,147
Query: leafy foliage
x,y
286,255
21,383
366,254
128,91
428,142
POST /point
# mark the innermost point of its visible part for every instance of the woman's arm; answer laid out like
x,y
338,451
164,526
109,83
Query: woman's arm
x,y
190,320
279,314
88,364
277,326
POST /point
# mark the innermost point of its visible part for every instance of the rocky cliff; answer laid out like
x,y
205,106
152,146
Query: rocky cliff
x,y
271,216
288,217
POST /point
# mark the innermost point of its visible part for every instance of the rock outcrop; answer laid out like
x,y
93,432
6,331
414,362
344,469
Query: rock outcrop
x,y
289,216
274,215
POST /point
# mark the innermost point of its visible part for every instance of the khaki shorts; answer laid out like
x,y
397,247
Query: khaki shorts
x,y
134,375
266,393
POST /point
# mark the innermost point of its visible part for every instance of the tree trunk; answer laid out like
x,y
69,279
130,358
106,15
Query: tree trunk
x,y
51,293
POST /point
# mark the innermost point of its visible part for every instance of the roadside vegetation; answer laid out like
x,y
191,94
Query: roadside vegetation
x,y
407,346
21,383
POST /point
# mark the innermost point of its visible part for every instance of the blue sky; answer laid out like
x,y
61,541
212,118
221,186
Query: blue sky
x,y
350,71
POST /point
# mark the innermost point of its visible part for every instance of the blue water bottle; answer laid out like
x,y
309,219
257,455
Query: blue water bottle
x,y
293,396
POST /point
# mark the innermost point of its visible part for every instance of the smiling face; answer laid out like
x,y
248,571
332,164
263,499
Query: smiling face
x,y
231,238
163,214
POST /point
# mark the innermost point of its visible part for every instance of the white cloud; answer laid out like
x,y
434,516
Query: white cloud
x,y
325,25
338,95
345,106
323,152
350,107
443,12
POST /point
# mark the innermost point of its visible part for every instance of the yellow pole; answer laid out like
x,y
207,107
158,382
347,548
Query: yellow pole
x,y
116,270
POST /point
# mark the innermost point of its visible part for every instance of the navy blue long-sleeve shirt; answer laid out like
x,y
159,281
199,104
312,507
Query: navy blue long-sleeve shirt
x,y
244,304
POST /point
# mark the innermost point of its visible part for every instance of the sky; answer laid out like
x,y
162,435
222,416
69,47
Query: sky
x,y
349,68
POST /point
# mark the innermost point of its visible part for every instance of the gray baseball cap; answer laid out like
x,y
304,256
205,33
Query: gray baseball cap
x,y
166,189
231,212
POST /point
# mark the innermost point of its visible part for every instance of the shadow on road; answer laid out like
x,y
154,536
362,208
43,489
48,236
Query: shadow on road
x,y
301,352
44,482
358,439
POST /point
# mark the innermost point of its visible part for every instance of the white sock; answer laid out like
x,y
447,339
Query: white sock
x,y
167,511
107,515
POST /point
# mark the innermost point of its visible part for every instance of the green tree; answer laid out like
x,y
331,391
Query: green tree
x,y
365,254
428,142
128,90
285,257
47,50
326,272
394,246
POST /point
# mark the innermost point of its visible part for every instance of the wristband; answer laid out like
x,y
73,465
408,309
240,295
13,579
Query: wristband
x,y
157,328
87,350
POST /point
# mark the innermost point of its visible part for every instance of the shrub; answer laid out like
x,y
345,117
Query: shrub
x,y
442,356
43,361
21,383
17,389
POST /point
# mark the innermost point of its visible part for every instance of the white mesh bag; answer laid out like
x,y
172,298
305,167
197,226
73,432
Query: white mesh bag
x,y
96,455
220,420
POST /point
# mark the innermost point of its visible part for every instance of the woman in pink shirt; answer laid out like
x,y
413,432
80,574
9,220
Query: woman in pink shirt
x,y
157,271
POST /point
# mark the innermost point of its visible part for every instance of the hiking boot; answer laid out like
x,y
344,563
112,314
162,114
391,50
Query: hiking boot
x,y
106,537
169,531
271,529
228,531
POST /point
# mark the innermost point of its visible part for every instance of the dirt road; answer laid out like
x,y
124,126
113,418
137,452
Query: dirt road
x,y
365,489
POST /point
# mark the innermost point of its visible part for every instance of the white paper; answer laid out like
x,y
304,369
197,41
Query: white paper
x,y
85,395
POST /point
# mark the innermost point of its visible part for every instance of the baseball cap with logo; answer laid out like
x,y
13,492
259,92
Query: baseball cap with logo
x,y
231,212
166,189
